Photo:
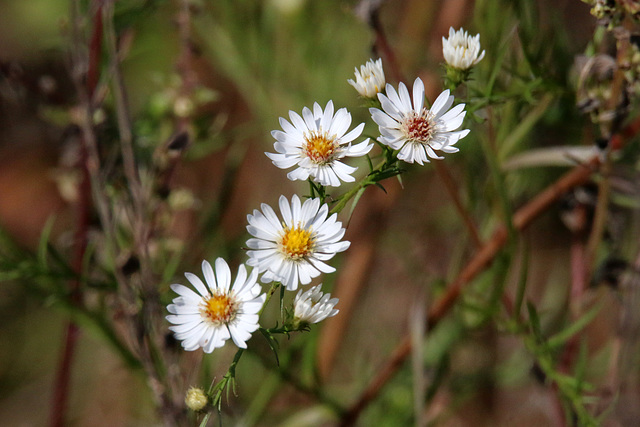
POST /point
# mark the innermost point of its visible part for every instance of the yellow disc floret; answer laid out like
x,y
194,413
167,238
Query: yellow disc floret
x,y
219,309
320,147
297,242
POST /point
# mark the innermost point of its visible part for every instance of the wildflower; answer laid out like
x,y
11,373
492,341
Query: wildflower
x,y
217,312
315,143
295,249
460,50
370,79
415,130
196,399
313,307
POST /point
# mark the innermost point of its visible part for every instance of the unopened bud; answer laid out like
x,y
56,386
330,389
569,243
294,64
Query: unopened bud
x,y
196,399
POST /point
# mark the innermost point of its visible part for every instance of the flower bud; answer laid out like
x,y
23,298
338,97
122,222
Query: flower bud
x,y
196,399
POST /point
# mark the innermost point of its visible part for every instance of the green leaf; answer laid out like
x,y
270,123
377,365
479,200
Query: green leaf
x,y
271,341
534,321
525,126
581,364
575,327
370,163
381,187
356,198
43,244
522,281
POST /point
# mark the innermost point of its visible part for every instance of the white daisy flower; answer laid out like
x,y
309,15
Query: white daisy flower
x,y
313,307
217,311
370,79
294,250
415,130
461,50
315,143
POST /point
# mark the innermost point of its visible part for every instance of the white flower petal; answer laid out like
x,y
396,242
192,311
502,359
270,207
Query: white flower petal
x,y
418,95
442,103
197,283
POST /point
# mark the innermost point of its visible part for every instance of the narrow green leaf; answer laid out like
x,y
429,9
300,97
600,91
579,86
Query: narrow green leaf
x,y
271,341
575,327
534,321
370,163
381,187
356,199
44,242
581,364
524,127
522,281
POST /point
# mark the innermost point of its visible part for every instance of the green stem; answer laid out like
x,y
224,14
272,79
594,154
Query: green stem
x,y
384,169
566,385
286,376
499,182
270,292
344,199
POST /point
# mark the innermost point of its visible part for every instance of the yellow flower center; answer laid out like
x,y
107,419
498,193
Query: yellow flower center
x,y
320,148
297,243
418,128
219,309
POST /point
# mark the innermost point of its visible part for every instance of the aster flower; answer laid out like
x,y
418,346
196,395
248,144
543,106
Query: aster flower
x,y
293,250
460,50
313,307
415,130
315,143
370,79
217,311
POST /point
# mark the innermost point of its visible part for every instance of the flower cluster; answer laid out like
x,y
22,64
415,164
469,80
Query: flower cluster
x,y
291,251
293,247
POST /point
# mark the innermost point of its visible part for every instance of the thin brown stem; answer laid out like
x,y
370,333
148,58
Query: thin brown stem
x,y
383,46
608,128
122,109
185,59
600,216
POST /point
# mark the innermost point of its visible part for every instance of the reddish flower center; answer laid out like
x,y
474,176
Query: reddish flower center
x,y
418,128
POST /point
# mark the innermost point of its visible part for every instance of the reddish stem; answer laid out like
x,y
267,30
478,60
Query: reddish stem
x,y
382,44
63,377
